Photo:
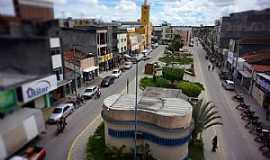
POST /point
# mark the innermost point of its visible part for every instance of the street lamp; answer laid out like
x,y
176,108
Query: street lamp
x,y
135,110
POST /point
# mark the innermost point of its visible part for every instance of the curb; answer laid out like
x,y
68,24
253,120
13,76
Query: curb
x,y
70,150
69,157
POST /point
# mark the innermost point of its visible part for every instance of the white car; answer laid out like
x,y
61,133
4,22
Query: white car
x,y
228,85
128,65
90,92
62,110
116,73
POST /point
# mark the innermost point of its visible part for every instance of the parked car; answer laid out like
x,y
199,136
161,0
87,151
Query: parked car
x,y
62,110
90,92
145,58
116,73
128,65
155,45
212,59
224,75
32,153
228,85
107,81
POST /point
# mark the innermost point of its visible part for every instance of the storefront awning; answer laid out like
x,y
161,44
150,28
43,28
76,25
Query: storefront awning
x,y
245,74
90,69
63,83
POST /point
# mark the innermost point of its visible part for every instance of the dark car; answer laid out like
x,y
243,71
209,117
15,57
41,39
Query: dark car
x,y
212,59
225,75
107,81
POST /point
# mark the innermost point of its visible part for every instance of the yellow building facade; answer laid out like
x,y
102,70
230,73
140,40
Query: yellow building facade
x,y
146,28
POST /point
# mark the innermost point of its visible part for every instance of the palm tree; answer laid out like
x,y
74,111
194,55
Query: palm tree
x,y
115,153
204,116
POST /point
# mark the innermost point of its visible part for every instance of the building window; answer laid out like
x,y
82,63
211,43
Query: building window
x,y
55,51
58,72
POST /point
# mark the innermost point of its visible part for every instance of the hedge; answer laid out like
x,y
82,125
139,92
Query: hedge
x,y
191,89
150,82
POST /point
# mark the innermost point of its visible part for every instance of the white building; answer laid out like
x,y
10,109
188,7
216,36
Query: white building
x,y
163,122
122,42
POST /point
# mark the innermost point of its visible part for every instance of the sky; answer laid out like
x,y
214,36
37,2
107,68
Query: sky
x,y
176,12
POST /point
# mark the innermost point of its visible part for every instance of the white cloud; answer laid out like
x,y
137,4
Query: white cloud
x,y
126,6
183,12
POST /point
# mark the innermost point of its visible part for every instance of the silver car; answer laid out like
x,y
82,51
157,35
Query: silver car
x,y
90,92
63,110
228,85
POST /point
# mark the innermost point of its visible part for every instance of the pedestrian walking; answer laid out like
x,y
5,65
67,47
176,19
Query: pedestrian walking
x,y
214,144
213,67
63,124
209,67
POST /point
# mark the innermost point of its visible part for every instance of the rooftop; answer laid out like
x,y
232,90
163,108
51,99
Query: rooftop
x,y
11,78
165,102
257,57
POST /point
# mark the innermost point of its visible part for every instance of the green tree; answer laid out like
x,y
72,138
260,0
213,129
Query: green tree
x,y
175,44
204,116
172,74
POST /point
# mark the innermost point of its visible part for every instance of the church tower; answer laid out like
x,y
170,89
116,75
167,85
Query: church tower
x,y
145,21
145,13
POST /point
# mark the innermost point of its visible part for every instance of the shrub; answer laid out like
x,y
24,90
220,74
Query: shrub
x,y
190,89
163,83
95,148
176,59
150,82
146,82
172,74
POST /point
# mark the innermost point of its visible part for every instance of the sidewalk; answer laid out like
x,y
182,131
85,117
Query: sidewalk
x,y
211,132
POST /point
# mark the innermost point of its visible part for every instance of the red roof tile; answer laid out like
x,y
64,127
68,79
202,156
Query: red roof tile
x,y
262,68
255,40
257,57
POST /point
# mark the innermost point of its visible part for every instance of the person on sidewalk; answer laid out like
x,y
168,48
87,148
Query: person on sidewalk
x,y
214,144
213,67
209,66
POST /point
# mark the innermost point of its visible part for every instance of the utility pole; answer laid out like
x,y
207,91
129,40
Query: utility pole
x,y
127,85
135,114
74,69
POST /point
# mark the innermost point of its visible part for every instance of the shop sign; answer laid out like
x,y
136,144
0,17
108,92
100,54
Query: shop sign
x,y
105,58
38,88
8,99
263,83
101,59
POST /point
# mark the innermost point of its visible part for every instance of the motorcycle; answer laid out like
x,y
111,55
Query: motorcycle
x,y
98,94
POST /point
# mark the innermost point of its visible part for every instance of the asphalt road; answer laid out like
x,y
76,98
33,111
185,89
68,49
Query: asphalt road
x,y
57,146
237,143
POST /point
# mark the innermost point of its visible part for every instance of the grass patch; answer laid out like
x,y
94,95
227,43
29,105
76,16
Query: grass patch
x,y
96,147
195,150
176,59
